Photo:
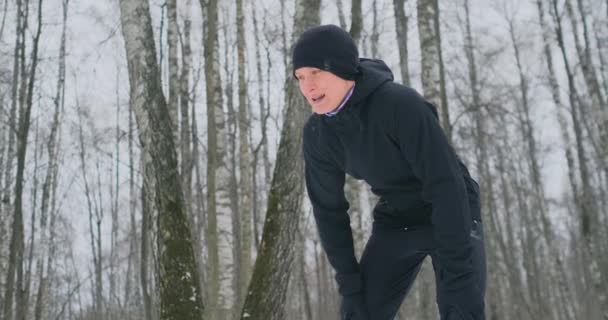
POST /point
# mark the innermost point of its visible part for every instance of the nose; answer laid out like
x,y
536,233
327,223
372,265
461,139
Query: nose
x,y
307,86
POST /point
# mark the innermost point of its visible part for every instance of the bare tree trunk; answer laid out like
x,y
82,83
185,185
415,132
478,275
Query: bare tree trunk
x,y
49,183
95,217
401,26
274,263
508,253
217,171
555,93
4,12
199,200
244,163
341,18
114,299
263,144
375,37
480,133
17,236
18,73
3,142
173,67
356,22
24,293
180,293
598,102
6,191
432,62
226,262
588,213
146,212
541,220
307,315
185,144
352,188
134,259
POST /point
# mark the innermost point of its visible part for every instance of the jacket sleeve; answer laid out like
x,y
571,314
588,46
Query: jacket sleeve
x,y
325,186
435,163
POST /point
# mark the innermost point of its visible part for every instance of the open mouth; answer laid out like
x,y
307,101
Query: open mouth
x,y
318,99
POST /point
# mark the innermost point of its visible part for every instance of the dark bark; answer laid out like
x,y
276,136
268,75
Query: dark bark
x,y
17,235
272,270
180,294
401,26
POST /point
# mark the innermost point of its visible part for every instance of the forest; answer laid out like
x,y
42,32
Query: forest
x,y
151,159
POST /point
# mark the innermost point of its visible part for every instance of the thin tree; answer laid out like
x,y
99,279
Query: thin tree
x,y
356,22
17,236
173,67
218,175
50,179
432,72
401,26
245,184
482,151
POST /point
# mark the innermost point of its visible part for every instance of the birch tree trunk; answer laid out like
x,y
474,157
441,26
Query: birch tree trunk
x,y
245,183
146,217
185,144
401,26
266,293
433,82
180,295
218,175
263,144
173,68
229,253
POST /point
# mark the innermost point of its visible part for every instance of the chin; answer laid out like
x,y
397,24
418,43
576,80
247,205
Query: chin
x,y
321,110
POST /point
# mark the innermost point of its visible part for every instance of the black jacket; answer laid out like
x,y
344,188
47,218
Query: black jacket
x,y
389,136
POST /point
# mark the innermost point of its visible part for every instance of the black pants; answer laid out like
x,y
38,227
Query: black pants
x,y
392,259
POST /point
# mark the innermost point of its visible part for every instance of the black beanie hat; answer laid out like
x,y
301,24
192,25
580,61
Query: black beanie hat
x,y
329,48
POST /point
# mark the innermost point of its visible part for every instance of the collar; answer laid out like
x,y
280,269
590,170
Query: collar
x,y
343,103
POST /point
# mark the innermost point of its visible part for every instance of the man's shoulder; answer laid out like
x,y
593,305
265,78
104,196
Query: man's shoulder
x,y
394,97
396,92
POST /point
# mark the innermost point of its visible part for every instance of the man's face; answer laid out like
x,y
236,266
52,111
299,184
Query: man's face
x,y
322,89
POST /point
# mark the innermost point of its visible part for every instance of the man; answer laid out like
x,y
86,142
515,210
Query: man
x,y
374,129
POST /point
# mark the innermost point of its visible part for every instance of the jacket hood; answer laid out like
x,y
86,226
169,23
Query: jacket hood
x,y
372,74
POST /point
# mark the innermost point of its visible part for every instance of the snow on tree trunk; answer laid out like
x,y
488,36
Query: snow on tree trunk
x,y
180,294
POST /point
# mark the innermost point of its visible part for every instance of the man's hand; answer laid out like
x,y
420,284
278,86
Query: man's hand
x,y
353,307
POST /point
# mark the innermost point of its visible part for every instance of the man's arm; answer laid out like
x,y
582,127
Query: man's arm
x,y
436,165
325,186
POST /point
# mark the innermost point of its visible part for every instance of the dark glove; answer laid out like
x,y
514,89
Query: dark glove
x,y
353,307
